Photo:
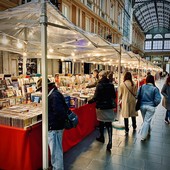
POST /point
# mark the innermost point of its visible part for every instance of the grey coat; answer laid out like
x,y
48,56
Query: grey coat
x,y
166,93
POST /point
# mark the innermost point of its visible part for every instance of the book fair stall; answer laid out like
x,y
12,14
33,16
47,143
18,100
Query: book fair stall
x,y
39,30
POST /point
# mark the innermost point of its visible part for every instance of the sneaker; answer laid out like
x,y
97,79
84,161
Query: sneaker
x,y
166,121
142,139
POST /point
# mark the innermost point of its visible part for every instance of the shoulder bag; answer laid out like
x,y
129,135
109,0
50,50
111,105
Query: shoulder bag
x,y
137,107
71,120
138,102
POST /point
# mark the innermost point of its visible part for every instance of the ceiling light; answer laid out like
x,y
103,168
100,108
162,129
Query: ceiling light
x,y
24,54
51,50
5,40
19,44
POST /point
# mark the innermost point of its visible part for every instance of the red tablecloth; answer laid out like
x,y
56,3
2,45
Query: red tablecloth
x,y
22,149
87,123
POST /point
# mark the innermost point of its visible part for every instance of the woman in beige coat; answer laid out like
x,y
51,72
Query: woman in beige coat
x,y
127,93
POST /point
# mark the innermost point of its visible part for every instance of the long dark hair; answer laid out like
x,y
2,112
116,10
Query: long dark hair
x,y
110,76
168,80
128,76
150,79
97,73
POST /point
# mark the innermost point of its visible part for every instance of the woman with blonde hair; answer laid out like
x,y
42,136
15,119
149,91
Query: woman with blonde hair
x,y
127,95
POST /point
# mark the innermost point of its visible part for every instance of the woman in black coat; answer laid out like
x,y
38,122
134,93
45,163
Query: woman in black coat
x,y
104,97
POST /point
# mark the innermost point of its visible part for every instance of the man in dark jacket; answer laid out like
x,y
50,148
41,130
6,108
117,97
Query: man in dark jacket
x,y
96,77
57,110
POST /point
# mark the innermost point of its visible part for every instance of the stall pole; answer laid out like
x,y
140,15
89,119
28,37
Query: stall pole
x,y
43,22
118,124
25,51
73,67
146,67
119,77
138,73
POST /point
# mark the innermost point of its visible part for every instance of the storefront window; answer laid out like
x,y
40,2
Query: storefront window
x,y
157,45
167,35
88,24
66,10
157,36
148,45
148,36
89,4
112,12
167,44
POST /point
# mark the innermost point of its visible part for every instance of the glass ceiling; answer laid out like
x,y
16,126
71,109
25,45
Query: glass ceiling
x,y
152,14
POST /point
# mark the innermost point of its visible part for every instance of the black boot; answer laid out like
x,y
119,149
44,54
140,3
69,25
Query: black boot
x,y
134,123
101,130
126,122
109,130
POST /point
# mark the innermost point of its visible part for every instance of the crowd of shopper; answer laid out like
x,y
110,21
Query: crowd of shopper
x,y
105,98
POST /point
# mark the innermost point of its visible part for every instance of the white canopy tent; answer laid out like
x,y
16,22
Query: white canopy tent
x,y
34,28
39,30
22,24
20,32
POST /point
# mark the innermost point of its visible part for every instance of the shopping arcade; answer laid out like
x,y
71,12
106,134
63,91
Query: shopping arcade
x,y
21,25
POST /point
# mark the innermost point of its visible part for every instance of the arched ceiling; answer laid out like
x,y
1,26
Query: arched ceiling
x,y
152,14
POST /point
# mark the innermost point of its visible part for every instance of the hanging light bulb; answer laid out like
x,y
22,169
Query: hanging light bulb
x,y
73,54
5,40
24,54
51,50
19,44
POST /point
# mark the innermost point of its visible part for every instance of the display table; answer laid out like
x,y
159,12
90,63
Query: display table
x,y
22,149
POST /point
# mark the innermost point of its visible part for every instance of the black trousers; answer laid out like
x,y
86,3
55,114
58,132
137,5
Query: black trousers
x,y
126,122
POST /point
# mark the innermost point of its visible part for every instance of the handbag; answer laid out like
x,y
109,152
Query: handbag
x,y
137,107
71,120
138,102
164,102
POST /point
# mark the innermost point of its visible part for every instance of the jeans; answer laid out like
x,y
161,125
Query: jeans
x,y
167,115
56,150
147,114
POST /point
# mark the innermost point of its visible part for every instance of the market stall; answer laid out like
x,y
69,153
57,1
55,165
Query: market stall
x,y
24,30
22,148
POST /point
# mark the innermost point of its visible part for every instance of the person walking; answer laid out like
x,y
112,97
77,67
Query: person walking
x,y
104,97
127,96
57,113
96,77
150,97
166,93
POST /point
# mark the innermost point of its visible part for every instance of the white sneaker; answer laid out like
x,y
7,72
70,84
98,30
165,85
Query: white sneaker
x,y
142,139
166,121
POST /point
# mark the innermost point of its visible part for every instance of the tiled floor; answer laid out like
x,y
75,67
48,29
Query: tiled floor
x,y
128,151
